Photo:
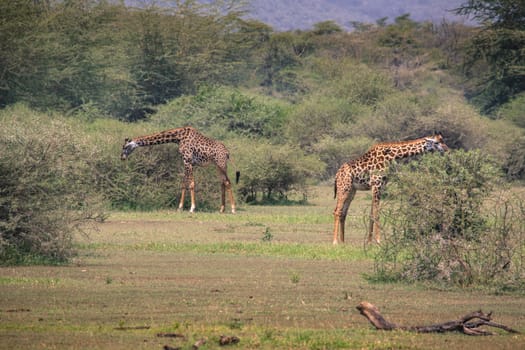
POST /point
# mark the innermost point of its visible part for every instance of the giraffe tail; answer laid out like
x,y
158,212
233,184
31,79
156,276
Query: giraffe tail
x,y
335,189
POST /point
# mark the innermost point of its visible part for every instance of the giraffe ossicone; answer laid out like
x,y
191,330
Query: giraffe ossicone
x,y
368,173
196,150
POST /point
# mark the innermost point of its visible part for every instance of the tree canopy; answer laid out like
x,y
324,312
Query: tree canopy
x,y
495,62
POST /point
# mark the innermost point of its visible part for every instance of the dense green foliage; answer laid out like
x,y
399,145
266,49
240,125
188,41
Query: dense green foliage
x,y
448,226
46,195
496,62
223,112
63,54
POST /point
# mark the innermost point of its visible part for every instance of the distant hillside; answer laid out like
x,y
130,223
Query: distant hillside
x,y
303,14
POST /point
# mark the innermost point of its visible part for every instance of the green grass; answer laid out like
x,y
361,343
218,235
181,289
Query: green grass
x,y
249,215
204,275
29,281
288,250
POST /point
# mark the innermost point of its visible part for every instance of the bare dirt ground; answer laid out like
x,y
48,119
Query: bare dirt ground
x,y
267,275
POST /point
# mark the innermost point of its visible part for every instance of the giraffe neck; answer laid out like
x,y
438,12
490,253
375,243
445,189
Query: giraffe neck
x,y
382,154
167,136
403,149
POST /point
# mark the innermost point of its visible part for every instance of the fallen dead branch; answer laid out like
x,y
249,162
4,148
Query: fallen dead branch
x,y
469,324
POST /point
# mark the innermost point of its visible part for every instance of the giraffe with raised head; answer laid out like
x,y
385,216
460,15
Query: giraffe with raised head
x,y
368,172
196,150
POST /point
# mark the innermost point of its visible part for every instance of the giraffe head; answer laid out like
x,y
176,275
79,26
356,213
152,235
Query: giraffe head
x,y
129,146
435,143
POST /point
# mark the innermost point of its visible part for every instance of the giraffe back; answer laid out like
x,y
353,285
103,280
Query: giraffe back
x,y
202,150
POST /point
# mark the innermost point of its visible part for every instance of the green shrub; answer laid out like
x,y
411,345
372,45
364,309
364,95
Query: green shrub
x,y
353,82
446,225
217,111
317,117
273,172
396,117
334,152
46,190
514,162
513,111
406,115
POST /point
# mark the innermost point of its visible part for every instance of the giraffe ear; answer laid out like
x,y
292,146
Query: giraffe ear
x,y
127,139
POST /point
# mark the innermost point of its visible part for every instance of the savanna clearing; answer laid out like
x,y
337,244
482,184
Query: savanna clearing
x,y
268,275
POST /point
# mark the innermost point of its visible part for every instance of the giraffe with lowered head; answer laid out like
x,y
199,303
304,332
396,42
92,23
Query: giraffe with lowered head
x,y
196,150
368,172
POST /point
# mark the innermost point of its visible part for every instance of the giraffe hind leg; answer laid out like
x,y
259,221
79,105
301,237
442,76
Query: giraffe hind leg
x,y
188,182
226,186
232,200
341,210
192,193
337,217
223,197
183,192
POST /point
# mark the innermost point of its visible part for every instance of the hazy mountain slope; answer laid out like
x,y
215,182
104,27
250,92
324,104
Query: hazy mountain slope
x,y
303,14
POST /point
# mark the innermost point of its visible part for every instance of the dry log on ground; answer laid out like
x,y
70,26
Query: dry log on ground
x,y
468,324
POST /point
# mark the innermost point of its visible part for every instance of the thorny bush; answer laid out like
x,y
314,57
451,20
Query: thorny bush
x,y
447,224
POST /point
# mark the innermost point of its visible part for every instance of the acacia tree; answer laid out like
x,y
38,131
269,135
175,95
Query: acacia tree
x,y
18,21
59,54
174,50
495,60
